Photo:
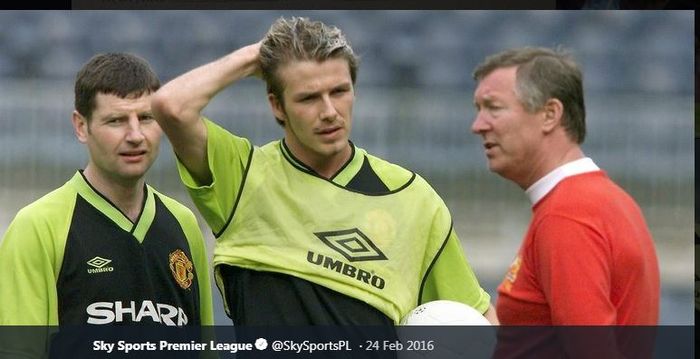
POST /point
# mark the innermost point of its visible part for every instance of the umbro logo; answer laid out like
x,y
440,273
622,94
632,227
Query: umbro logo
x,y
99,265
354,245
99,262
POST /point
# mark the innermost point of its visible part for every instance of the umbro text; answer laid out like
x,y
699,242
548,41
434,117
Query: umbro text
x,y
100,270
346,269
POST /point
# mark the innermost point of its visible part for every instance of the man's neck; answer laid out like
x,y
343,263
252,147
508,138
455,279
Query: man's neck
x,y
549,162
127,196
325,166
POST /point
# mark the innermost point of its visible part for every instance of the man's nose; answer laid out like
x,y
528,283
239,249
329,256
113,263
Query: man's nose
x,y
479,124
328,111
134,134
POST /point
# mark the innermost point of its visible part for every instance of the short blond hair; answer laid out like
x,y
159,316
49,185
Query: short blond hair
x,y
300,39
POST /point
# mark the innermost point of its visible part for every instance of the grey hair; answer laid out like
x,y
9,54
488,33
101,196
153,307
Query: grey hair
x,y
543,74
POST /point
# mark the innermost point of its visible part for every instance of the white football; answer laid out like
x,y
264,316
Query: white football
x,y
444,312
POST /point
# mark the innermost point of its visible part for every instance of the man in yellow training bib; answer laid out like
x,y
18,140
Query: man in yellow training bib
x,y
310,229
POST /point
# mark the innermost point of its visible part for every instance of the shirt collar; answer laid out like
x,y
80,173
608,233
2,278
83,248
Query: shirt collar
x,y
545,184
99,201
344,174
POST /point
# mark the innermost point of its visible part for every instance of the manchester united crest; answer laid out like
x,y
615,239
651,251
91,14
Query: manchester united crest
x,y
182,268
512,274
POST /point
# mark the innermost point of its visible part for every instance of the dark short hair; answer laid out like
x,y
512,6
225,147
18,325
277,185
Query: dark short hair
x,y
117,74
543,74
300,39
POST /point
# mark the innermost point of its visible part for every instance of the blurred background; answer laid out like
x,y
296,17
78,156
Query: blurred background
x,y
413,108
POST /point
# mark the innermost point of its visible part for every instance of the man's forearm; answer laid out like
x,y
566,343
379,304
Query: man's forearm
x,y
183,98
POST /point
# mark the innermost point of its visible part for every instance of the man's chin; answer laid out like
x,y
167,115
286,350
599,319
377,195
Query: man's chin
x,y
496,168
132,174
337,146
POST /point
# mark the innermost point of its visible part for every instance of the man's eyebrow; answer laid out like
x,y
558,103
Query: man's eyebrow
x,y
303,94
112,116
343,85
486,100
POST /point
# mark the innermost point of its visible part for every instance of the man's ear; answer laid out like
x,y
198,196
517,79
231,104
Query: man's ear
x,y
80,125
277,107
553,111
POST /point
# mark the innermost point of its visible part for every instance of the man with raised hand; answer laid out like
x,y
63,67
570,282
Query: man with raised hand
x,y
310,229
